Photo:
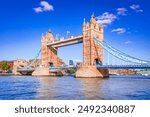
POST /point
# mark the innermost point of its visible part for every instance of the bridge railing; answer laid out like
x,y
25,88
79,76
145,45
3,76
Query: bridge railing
x,y
62,67
124,66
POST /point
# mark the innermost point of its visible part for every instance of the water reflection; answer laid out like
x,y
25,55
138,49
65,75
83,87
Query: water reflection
x,y
46,88
70,88
92,88
58,88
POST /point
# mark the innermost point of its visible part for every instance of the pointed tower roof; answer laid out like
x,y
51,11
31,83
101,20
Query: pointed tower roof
x,y
93,19
84,22
49,35
49,30
101,25
93,15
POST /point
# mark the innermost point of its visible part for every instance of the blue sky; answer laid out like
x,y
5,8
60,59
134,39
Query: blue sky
x,y
22,23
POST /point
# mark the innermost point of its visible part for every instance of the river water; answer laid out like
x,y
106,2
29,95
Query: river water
x,y
70,88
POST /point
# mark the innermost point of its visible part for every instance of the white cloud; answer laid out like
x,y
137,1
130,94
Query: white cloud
x,y
106,18
38,9
44,6
136,8
68,31
121,11
128,42
119,30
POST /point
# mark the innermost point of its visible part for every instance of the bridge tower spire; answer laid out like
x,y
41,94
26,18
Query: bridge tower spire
x,y
84,22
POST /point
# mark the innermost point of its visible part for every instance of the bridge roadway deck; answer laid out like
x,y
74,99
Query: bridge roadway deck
x,y
110,67
124,66
66,42
98,66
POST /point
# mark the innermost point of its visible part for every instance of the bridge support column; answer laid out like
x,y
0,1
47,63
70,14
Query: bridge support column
x,y
92,53
91,72
41,71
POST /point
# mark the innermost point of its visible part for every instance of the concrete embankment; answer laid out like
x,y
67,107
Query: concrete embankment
x,y
6,74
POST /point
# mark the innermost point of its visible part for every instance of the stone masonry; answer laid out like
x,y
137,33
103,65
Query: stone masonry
x,y
49,54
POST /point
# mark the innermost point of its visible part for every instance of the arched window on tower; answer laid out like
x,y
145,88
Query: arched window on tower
x,y
97,62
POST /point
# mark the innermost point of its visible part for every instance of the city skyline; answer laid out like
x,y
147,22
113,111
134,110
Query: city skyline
x,y
23,22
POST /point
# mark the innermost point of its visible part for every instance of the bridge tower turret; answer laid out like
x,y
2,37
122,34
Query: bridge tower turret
x,y
46,50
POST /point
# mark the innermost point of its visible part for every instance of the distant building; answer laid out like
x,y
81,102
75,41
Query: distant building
x,y
11,64
122,72
71,63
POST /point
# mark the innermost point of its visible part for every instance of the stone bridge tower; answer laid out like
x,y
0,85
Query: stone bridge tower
x,y
92,53
49,56
46,50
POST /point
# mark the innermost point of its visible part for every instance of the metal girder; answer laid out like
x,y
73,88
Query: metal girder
x,y
124,66
66,42
29,66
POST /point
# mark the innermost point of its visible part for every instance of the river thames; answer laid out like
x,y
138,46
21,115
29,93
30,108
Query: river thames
x,y
70,88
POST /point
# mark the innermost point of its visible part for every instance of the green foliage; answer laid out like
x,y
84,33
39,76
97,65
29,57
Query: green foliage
x,y
72,71
4,65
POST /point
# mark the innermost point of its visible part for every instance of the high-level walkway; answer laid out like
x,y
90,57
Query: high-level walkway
x,y
66,42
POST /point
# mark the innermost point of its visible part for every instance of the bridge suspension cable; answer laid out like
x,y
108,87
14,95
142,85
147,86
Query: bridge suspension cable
x,y
34,60
120,54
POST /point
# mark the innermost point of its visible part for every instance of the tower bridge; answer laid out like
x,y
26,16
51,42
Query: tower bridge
x,y
93,58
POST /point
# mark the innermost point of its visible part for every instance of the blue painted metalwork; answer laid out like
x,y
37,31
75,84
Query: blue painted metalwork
x,y
62,67
124,66
120,54
29,67
107,67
